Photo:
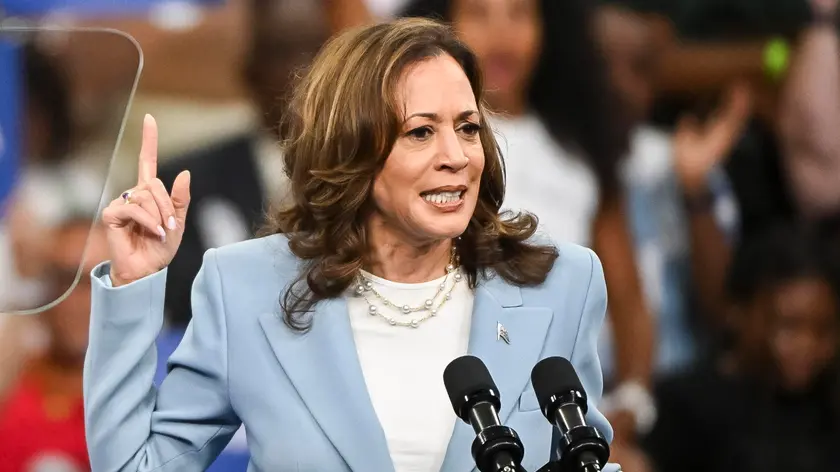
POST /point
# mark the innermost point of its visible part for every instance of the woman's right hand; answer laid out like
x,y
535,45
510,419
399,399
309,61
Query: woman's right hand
x,y
145,228
700,146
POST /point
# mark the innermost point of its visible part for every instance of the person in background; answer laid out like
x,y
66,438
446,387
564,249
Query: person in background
x,y
57,177
26,236
810,115
772,403
721,41
238,178
41,411
562,142
47,142
682,209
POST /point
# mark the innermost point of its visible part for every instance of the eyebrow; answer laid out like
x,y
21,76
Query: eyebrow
x,y
436,118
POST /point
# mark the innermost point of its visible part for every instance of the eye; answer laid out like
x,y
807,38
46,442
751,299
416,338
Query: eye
x,y
421,134
470,129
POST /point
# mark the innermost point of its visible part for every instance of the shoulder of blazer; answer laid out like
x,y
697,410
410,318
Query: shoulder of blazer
x,y
575,269
575,259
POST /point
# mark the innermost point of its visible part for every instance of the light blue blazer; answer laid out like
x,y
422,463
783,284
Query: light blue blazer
x,y
302,397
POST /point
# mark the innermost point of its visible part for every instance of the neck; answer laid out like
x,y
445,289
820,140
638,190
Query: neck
x,y
393,259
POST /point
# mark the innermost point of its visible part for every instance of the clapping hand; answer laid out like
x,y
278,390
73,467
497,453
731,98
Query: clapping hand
x,y
145,224
699,147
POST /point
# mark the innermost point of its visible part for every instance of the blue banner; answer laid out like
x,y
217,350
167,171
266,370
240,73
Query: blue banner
x,y
85,7
10,129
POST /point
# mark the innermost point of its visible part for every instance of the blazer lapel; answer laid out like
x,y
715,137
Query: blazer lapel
x,y
324,367
499,305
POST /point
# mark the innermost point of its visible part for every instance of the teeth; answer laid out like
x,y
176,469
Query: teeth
x,y
442,197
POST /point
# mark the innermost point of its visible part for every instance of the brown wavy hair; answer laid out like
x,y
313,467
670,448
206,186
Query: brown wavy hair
x,y
339,129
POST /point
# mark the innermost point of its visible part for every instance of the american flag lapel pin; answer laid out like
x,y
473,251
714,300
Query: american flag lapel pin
x,y
501,333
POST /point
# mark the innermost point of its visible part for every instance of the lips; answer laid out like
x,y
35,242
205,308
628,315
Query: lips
x,y
445,188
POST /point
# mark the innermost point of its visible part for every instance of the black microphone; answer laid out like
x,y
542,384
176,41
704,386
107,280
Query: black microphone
x,y
476,400
562,400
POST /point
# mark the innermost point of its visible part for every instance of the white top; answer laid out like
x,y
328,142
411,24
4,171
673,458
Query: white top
x,y
385,9
403,366
547,180
650,166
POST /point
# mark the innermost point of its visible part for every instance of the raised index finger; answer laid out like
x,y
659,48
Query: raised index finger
x,y
147,169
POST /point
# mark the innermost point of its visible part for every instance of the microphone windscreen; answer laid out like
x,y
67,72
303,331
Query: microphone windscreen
x,y
463,378
555,376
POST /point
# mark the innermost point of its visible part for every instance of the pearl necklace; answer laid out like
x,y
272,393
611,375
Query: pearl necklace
x,y
429,308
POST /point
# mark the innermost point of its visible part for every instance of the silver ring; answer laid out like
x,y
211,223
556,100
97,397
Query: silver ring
x,y
126,196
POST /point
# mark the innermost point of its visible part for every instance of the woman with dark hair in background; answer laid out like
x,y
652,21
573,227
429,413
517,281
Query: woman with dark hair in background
x,y
564,139
772,403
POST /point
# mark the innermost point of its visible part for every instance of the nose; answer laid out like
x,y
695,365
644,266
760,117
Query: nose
x,y
451,154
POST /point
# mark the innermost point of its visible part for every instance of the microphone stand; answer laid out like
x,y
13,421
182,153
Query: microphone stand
x,y
557,466
584,461
507,468
581,449
502,465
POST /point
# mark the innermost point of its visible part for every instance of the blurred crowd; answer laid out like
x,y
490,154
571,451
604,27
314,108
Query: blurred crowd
x,y
693,145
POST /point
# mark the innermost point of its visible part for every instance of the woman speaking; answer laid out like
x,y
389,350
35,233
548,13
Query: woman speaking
x,y
328,338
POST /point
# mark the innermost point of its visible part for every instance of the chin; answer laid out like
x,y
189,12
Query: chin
x,y
445,230
446,225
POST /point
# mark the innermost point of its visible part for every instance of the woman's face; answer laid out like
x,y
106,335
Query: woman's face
x,y
796,324
804,333
506,36
428,187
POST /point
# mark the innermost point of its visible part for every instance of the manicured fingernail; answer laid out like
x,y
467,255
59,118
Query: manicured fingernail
x,y
171,222
162,233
